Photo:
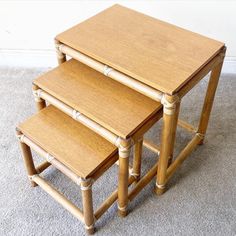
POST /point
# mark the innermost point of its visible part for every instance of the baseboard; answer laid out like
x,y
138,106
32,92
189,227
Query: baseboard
x,y
47,58
229,65
27,58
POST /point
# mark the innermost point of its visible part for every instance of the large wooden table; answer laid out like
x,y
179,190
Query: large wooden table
x,y
155,58
112,110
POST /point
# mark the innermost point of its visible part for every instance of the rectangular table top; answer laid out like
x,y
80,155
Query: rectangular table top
x,y
114,106
73,144
154,52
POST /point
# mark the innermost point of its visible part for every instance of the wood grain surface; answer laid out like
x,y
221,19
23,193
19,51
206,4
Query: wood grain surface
x,y
116,107
157,53
76,146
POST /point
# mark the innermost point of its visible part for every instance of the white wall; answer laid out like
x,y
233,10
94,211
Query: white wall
x,y
27,28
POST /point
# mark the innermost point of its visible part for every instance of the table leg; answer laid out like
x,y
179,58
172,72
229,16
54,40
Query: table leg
x,y
86,187
170,117
173,131
124,152
209,99
40,103
136,170
28,159
61,57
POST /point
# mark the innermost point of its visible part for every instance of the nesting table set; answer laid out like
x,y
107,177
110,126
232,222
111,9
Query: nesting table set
x,y
126,72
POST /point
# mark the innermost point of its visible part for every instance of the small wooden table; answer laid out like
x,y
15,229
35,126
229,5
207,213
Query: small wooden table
x,y
119,114
155,58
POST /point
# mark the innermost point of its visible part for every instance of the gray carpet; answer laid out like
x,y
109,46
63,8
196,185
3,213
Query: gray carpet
x,y
201,197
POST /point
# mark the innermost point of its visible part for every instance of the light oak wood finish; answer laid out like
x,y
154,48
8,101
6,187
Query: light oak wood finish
x,y
78,116
123,186
86,184
86,188
50,122
202,73
173,130
178,77
28,159
136,170
124,152
112,73
111,137
178,68
165,174
170,117
40,103
87,216
95,95
164,64
154,52
61,57
49,130
141,128
209,55
208,102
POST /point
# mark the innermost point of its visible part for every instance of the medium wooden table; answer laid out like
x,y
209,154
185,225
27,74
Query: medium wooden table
x,y
112,110
155,58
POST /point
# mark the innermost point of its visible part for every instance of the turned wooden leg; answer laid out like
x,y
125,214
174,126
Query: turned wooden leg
x,y
168,131
61,57
173,131
40,103
86,187
28,160
209,99
124,152
136,170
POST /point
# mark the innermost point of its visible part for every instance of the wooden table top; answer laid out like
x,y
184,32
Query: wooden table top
x,y
154,52
107,102
70,142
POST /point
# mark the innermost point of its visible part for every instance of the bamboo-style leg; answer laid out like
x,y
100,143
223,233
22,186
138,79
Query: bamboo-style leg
x,y
28,160
124,152
61,57
187,126
209,99
151,146
43,166
86,187
173,131
40,103
136,170
169,120
183,155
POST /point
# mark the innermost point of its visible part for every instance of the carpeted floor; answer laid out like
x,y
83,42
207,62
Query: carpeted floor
x,y
201,199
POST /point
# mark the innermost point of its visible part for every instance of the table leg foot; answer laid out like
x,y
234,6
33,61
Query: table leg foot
x,y
201,142
122,213
90,231
159,191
